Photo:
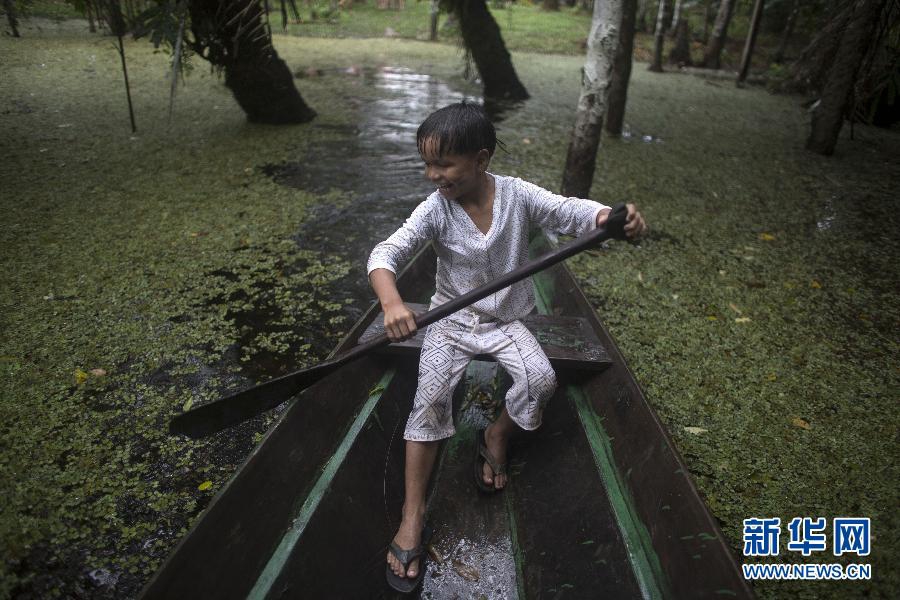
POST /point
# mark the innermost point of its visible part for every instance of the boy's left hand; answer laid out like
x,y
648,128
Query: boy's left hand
x,y
635,227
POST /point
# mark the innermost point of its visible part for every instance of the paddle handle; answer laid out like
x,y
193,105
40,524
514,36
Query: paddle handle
x,y
613,228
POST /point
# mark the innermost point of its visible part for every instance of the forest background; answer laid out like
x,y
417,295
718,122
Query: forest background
x,y
145,271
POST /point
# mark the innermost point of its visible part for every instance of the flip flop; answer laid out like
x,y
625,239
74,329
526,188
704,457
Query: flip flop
x,y
405,585
483,455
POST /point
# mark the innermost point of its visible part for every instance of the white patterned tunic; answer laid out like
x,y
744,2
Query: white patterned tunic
x,y
468,258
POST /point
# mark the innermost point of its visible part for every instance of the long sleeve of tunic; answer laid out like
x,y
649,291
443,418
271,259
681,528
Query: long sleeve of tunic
x,y
468,258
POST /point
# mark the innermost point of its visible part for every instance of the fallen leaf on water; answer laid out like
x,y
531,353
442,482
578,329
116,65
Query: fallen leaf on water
x,y
640,277
801,423
766,237
80,376
815,284
204,486
526,141
465,571
712,318
199,233
734,307
187,405
742,320
98,372
771,376
435,555
695,430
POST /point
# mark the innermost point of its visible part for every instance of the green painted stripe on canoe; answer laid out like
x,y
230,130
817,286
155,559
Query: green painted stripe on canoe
x,y
518,552
644,561
280,556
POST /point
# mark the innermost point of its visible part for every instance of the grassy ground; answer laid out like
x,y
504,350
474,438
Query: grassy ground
x,y
761,310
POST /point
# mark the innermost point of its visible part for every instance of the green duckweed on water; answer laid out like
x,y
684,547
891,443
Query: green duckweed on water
x,y
759,315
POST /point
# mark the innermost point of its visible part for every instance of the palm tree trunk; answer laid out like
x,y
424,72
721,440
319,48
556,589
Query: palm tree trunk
x,y
828,118
238,39
720,30
810,69
602,46
481,35
621,75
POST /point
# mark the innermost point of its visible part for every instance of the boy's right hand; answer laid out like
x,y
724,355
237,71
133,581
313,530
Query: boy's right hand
x,y
399,322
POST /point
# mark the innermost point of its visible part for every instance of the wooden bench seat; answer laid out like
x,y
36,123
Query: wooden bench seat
x,y
570,342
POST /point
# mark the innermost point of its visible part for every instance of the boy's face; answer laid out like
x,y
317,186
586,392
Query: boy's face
x,y
457,176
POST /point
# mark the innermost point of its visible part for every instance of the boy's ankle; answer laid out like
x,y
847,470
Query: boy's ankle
x,y
413,513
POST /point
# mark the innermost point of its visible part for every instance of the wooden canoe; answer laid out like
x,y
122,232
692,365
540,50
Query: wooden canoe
x,y
599,505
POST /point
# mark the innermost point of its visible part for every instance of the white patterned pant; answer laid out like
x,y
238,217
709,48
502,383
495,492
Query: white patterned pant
x,y
448,348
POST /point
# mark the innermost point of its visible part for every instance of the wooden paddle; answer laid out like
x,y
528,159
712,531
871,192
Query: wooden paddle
x,y
215,416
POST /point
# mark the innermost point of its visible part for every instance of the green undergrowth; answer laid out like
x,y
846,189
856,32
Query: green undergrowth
x,y
760,309
525,26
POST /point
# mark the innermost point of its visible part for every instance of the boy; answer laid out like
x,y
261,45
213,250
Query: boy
x,y
480,224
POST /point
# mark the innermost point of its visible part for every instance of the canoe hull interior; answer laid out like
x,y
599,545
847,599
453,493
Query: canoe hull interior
x,y
600,504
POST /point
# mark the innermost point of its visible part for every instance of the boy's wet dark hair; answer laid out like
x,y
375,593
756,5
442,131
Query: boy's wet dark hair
x,y
461,128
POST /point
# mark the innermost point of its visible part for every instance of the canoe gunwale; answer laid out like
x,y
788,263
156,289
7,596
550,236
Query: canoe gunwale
x,y
619,403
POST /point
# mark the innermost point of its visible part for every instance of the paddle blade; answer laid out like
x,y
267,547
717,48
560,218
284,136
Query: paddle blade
x,y
230,410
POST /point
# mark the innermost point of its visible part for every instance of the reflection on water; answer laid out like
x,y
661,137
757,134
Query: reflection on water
x,y
826,217
471,568
628,134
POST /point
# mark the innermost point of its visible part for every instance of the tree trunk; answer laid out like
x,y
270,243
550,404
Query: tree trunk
x,y
603,43
681,53
676,16
828,118
808,72
720,31
88,10
551,4
481,36
621,75
238,40
9,7
641,22
788,32
659,38
707,19
117,25
585,5
751,41
433,20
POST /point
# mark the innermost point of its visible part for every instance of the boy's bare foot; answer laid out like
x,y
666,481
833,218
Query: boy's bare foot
x,y
408,537
496,441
